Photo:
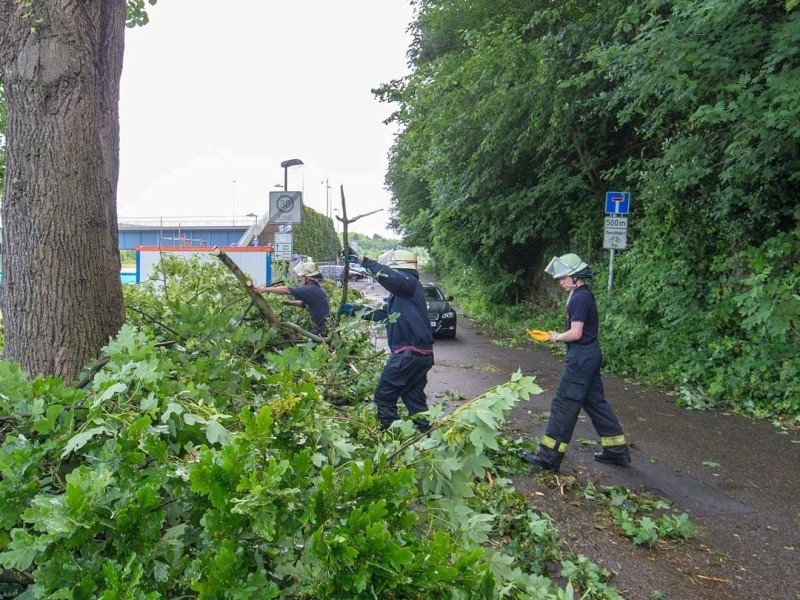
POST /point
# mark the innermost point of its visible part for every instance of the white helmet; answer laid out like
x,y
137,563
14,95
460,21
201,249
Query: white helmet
x,y
399,259
306,269
568,265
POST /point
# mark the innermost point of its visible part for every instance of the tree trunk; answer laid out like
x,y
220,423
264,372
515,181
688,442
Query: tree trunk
x,y
61,295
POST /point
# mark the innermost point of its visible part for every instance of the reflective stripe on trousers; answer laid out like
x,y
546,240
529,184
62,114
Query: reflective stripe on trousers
x,y
581,387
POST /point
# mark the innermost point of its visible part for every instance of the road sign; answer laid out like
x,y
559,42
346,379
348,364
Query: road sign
x,y
283,246
618,203
615,233
285,207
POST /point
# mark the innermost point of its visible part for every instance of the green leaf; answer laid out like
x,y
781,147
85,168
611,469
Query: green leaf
x,y
46,425
22,550
216,433
79,440
108,393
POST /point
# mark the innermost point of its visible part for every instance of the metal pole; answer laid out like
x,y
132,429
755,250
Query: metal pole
x,y
327,198
233,208
611,272
611,280
286,164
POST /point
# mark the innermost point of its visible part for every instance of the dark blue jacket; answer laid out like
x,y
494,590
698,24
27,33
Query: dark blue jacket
x,y
406,297
316,301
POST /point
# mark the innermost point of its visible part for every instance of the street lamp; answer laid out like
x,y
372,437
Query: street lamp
x,y
292,162
327,198
233,203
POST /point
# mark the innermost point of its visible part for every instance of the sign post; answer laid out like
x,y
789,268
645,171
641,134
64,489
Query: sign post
x,y
615,229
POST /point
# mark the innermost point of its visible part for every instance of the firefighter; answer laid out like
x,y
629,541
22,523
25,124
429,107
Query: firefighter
x,y
410,339
309,295
580,385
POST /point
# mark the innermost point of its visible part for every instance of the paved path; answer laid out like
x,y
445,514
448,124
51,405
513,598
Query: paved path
x,y
737,478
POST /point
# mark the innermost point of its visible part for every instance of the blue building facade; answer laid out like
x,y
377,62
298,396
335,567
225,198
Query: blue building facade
x,y
190,232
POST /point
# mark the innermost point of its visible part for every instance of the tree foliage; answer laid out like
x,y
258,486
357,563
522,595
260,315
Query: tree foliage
x,y
519,116
204,458
372,246
315,236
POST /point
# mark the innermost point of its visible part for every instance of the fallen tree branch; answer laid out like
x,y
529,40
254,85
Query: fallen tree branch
x,y
15,576
154,320
346,270
344,218
258,300
261,303
301,331
346,243
244,314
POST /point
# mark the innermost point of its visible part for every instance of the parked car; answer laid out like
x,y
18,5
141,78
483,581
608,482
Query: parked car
x,y
357,273
441,315
332,272
336,272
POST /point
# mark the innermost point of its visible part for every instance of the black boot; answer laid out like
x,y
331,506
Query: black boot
x,y
616,458
538,462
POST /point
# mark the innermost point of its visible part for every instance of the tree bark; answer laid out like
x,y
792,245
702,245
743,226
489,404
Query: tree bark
x,y
61,295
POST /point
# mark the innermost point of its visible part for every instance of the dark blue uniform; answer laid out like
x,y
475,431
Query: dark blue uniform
x,y
315,300
405,374
581,387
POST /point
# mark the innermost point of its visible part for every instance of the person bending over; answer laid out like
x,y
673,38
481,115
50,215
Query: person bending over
x,y
309,294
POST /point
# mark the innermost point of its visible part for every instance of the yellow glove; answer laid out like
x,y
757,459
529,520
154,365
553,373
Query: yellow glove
x,y
538,335
551,335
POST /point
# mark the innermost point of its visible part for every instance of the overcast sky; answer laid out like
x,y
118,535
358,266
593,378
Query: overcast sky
x,y
220,92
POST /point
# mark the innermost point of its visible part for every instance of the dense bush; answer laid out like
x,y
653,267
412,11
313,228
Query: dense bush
x,y
210,456
518,117
315,236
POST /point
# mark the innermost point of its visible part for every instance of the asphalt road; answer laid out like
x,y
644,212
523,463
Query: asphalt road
x,y
737,478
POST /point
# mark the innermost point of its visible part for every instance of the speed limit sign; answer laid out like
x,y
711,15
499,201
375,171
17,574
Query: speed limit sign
x,y
285,207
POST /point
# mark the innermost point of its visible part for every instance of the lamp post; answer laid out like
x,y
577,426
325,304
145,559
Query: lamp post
x,y
280,186
292,162
327,198
233,203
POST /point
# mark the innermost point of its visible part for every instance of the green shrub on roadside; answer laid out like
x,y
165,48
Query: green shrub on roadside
x,y
205,458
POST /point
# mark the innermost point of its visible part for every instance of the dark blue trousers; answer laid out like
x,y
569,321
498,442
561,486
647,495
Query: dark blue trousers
x,y
581,388
404,377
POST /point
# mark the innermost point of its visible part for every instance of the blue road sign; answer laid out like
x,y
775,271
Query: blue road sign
x,y
618,203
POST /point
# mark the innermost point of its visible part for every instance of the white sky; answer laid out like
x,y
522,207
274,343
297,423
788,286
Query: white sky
x,y
216,92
